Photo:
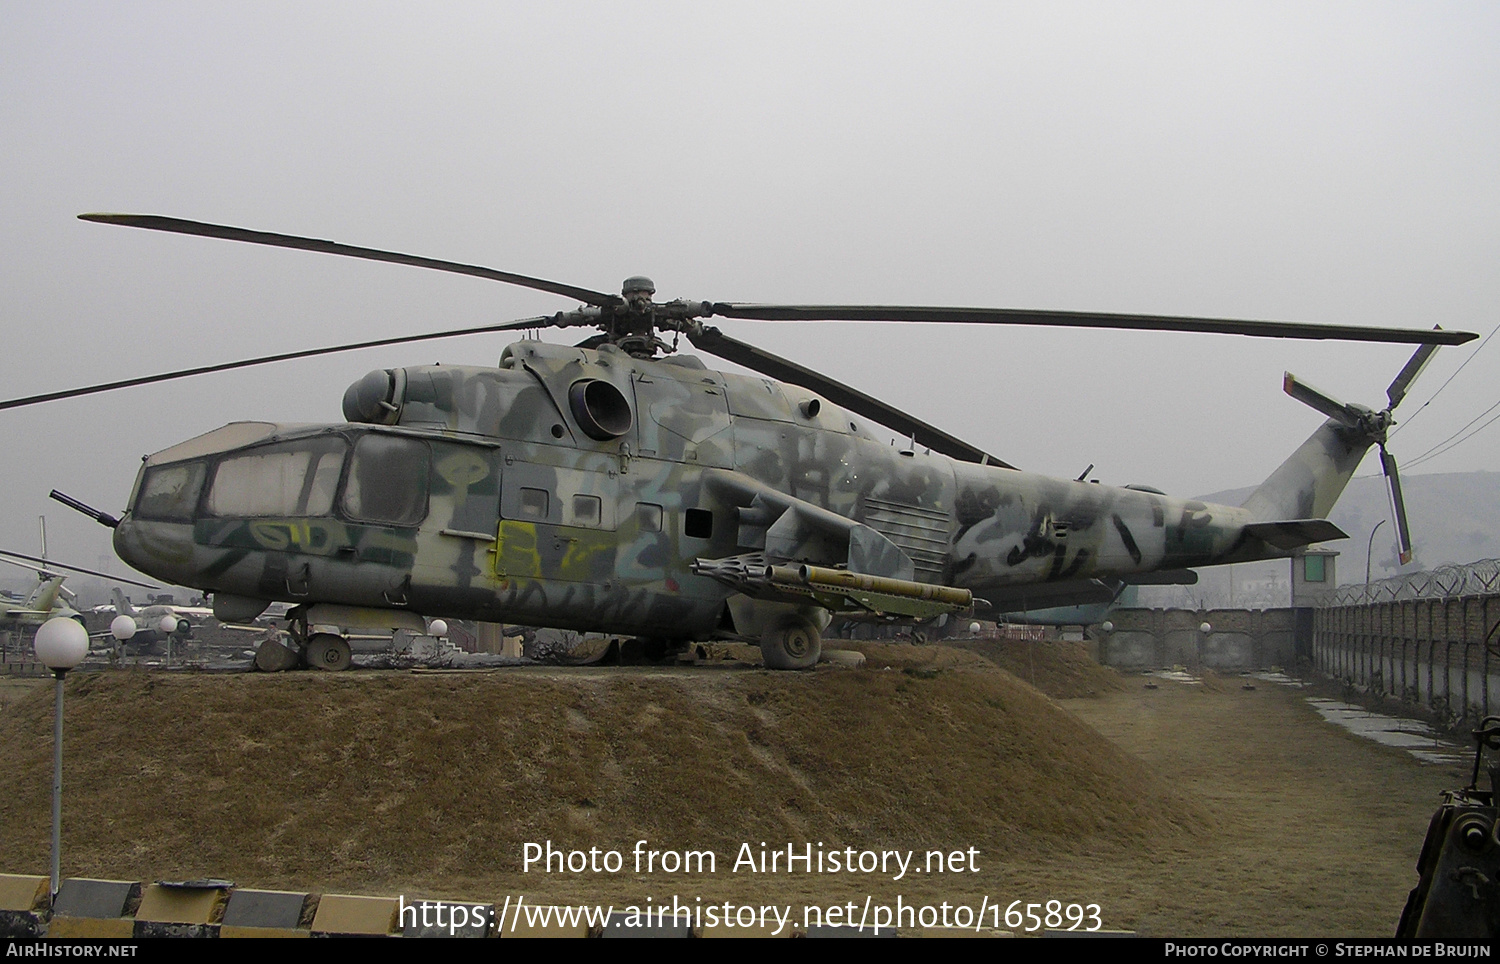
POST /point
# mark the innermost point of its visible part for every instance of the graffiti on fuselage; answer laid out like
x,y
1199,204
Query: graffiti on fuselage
x,y
525,515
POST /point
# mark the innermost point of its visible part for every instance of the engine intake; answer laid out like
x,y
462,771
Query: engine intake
x,y
376,398
602,410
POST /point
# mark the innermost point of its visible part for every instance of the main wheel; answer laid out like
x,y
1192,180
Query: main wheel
x,y
327,651
791,643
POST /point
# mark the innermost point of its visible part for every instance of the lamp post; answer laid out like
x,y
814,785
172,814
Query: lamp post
x,y
61,644
167,625
1370,549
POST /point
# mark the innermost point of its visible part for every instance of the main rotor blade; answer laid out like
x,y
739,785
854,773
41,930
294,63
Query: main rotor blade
x,y
757,359
49,563
1398,504
1089,319
1313,398
153,222
1408,374
540,322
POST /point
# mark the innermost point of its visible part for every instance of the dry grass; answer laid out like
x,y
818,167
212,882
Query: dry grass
x,y
1200,811
377,780
1319,830
1063,670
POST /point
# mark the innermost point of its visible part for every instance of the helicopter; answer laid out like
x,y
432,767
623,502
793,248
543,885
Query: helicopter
x,y
44,601
49,599
618,486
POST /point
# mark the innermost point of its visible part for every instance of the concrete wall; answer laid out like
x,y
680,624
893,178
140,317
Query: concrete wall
x,y
1240,639
1440,653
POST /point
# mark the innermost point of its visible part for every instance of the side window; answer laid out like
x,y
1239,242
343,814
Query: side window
x,y
387,481
534,503
648,516
170,493
698,523
585,510
291,479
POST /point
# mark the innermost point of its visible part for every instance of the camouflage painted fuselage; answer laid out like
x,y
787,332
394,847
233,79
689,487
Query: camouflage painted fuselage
x,y
493,494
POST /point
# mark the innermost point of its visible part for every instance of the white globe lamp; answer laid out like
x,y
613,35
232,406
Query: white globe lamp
x,y
61,644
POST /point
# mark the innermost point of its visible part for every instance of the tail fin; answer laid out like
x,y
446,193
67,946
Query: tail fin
x,y
1307,485
122,605
44,596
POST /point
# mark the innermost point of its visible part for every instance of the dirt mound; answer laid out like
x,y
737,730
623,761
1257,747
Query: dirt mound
x,y
1061,669
381,780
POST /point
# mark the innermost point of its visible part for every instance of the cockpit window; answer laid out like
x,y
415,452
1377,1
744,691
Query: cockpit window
x,y
170,492
291,479
388,480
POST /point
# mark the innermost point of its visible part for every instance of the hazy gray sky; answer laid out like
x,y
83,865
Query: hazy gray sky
x,y
1310,162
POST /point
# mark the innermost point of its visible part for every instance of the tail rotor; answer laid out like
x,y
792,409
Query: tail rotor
x,y
1373,427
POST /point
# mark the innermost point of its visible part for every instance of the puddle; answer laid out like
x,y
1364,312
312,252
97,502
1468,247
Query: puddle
x,y
1177,676
1418,739
1275,676
1413,736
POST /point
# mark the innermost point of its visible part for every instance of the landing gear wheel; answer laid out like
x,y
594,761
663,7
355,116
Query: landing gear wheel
x,y
792,643
327,651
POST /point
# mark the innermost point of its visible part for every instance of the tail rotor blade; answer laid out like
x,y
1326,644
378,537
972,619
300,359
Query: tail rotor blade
x,y
1398,504
1408,374
1320,401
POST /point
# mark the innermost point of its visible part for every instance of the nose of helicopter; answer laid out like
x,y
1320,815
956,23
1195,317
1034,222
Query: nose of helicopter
x,y
161,550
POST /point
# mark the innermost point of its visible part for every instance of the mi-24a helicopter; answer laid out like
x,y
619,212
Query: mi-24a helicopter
x,y
615,486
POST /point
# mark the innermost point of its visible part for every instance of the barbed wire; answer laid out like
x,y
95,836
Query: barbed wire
x,y
1480,578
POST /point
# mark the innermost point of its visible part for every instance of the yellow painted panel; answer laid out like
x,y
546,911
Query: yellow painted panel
x,y
516,554
181,905
345,914
121,928
22,892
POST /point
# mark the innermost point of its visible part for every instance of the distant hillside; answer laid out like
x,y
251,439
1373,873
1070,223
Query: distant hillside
x,y
1455,518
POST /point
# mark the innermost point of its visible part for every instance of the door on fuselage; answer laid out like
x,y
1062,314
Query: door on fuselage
x,y
557,523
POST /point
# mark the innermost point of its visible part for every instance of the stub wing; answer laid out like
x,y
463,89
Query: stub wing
x,y
1295,533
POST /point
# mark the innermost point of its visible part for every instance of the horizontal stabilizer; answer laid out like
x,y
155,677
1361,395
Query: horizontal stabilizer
x,y
1295,533
1047,595
1163,577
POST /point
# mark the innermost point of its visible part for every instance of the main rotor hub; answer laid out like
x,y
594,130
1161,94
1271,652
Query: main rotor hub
x,y
637,291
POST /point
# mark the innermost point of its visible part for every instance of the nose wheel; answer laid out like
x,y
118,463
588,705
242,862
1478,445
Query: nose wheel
x,y
328,652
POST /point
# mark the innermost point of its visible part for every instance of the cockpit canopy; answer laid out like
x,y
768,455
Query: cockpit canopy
x,y
363,476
